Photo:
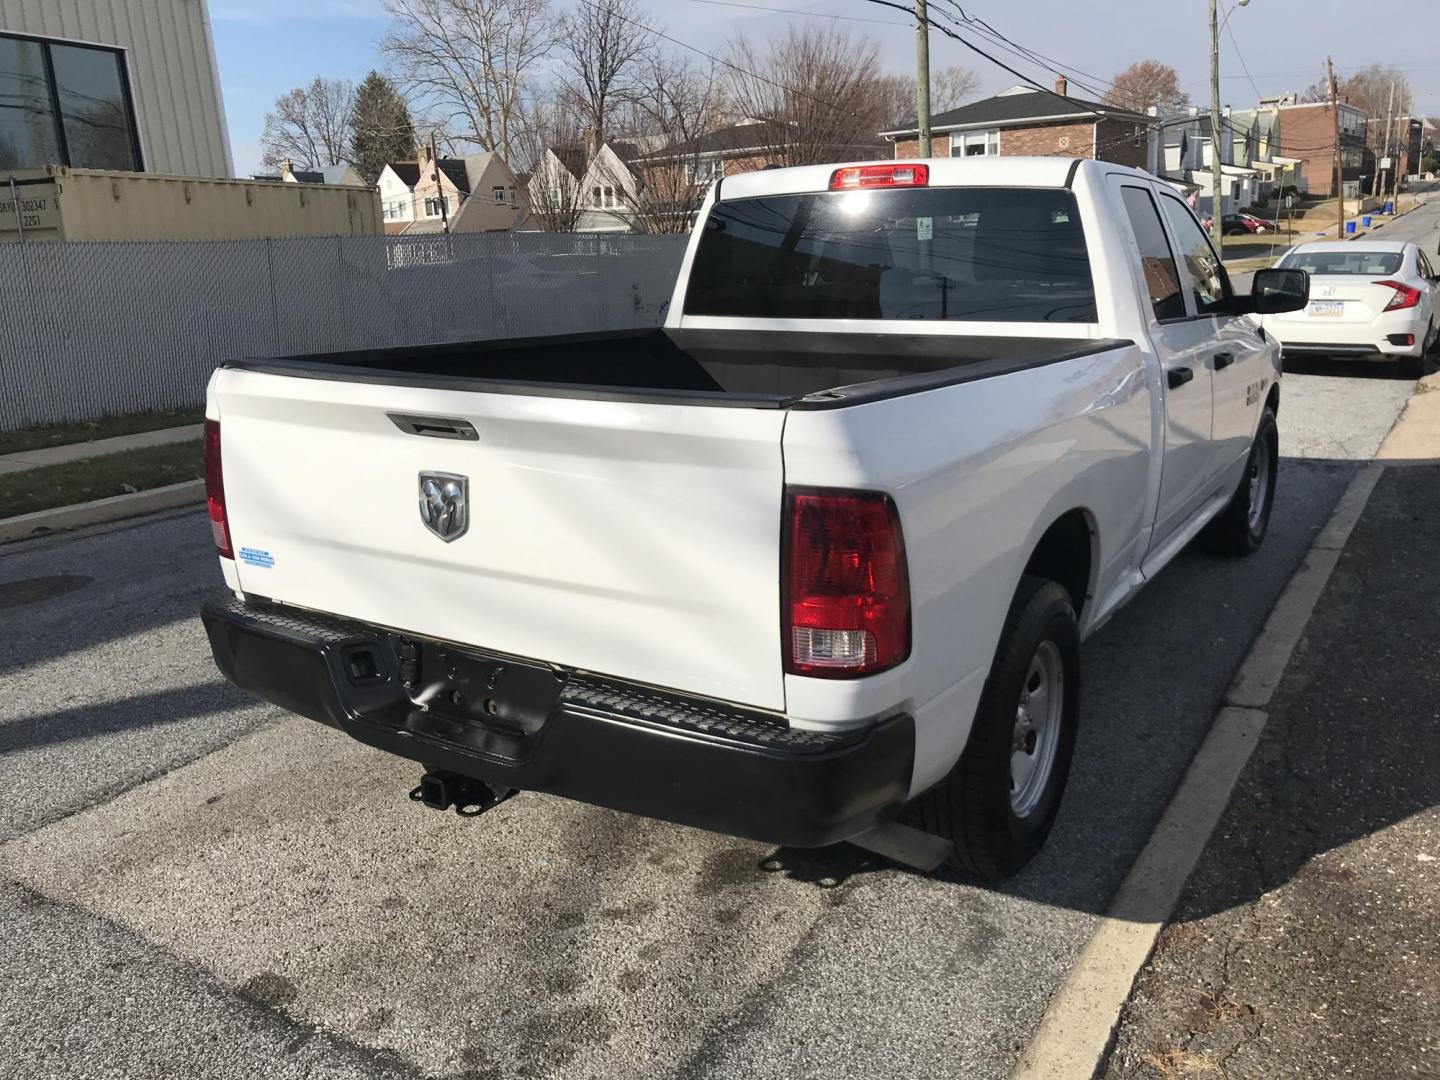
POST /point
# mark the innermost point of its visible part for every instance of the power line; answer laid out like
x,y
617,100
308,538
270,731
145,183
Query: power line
x,y
798,11
1238,54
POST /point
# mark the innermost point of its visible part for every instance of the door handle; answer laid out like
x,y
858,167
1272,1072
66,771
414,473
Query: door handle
x,y
1223,360
1178,377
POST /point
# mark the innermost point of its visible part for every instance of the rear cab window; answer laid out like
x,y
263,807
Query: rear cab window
x,y
1350,262
956,254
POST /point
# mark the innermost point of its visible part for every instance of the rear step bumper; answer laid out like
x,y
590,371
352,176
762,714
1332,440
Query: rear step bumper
x,y
684,759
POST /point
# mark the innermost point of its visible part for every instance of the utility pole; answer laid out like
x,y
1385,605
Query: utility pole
x,y
439,190
922,75
1339,169
1389,135
1217,228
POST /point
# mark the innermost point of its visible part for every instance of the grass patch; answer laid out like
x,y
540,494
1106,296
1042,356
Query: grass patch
x,y
100,477
35,438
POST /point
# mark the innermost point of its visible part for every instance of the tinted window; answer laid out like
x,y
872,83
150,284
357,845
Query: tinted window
x,y
28,138
93,108
94,127
1207,275
1008,255
1350,261
1162,276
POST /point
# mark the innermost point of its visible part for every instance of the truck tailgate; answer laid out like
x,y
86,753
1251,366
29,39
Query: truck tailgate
x,y
623,537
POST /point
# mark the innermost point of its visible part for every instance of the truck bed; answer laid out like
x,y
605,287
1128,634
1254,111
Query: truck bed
x,y
756,369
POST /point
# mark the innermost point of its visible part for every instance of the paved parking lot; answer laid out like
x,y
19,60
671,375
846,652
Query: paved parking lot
x,y
195,885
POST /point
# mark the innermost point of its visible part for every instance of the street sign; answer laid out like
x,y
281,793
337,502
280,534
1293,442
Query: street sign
x,y
1384,163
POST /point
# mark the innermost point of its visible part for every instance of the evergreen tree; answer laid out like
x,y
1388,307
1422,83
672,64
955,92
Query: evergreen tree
x,y
380,127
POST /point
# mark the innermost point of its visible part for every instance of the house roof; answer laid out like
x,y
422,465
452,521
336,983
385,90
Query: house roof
x,y
746,135
572,157
407,171
1013,109
453,168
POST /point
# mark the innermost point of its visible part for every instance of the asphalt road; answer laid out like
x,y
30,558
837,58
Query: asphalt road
x,y
197,886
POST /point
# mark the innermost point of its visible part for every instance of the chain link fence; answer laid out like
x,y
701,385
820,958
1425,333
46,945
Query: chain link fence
x,y
97,329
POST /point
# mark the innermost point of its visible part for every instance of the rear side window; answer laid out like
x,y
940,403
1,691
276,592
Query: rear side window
x,y
1353,261
968,254
1162,275
1207,275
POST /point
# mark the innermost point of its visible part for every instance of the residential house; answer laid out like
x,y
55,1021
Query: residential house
x,y
344,174
475,193
129,85
1309,132
1025,120
572,191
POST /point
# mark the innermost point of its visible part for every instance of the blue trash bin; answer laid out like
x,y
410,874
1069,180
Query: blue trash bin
x,y
1350,227
1365,221
1389,208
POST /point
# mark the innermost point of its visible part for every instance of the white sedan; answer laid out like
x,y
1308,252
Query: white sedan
x,y
1368,299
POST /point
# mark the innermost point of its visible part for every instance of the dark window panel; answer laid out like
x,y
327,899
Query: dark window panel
x,y
93,107
29,138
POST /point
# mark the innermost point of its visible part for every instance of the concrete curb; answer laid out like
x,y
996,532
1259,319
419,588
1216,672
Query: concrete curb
x,y
1074,1033
115,508
1416,434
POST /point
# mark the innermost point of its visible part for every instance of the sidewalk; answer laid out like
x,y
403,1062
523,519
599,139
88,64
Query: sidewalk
x,y
78,451
1305,944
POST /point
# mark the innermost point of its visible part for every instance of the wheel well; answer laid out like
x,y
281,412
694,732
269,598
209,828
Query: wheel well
x,y
1065,554
1272,400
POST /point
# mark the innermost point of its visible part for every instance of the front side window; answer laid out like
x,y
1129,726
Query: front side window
x,y
971,254
1208,283
64,105
1157,261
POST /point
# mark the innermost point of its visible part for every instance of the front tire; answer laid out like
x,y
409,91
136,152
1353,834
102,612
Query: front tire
x,y
1240,528
999,802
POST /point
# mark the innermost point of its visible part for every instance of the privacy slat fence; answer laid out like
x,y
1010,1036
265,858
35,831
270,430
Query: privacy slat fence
x,y
89,330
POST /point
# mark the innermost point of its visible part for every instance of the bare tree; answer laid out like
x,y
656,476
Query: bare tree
x,y
815,89
951,87
310,126
1370,92
550,157
1144,84
607,44
680,105
471,60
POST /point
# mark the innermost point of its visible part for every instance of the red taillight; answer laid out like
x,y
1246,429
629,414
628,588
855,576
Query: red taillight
x,y
1405,296
854,177
845,589
215,490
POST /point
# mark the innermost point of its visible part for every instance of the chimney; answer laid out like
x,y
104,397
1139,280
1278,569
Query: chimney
x,y
287,170
422,153
1062,85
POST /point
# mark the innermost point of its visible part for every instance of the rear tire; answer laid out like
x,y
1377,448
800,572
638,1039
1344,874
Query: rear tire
x,y
1240,528
999,802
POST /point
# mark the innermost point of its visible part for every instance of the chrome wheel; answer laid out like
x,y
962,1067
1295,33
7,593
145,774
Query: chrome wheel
x,y
1259,482
1036,735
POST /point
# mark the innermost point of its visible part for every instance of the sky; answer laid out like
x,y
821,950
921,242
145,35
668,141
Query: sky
x,y
267,47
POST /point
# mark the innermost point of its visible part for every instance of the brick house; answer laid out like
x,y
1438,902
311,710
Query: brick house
x,y
1024,121
1309,134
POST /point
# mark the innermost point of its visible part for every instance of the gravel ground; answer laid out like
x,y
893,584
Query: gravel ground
x,y
277,880
1305,944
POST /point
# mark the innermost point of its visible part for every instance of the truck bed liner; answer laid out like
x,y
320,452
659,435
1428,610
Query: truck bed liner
x,y
774,369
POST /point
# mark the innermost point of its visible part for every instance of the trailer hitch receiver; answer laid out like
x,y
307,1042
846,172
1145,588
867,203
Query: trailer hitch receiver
x,y
470,798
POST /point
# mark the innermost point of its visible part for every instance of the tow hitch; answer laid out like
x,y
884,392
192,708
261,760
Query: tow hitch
x,y
470,798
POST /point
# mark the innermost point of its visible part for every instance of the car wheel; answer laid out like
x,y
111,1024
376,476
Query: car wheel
x,y
999,802
1240,528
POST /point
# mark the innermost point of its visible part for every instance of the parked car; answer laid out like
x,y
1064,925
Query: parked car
x,y
1255,223
1369,299
818,553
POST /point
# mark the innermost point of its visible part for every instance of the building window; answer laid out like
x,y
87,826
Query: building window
x,y
435,206
395,209
65,104
975,144
499,195
707,170
514,199
603,198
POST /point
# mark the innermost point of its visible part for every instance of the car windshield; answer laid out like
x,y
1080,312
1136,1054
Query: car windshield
x,y
974,254
1358,262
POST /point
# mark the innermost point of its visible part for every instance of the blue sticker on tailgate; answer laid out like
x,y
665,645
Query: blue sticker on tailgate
x,y
256,557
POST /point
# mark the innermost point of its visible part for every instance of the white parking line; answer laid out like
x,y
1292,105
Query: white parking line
x,y
1075,1030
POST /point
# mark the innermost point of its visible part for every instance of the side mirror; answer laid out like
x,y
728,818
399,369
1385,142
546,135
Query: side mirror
x,y
1276,291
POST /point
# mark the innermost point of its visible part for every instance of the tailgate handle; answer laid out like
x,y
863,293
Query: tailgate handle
x,y
437,427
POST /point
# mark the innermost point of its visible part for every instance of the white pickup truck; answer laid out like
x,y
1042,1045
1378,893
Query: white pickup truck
x,y
817,554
